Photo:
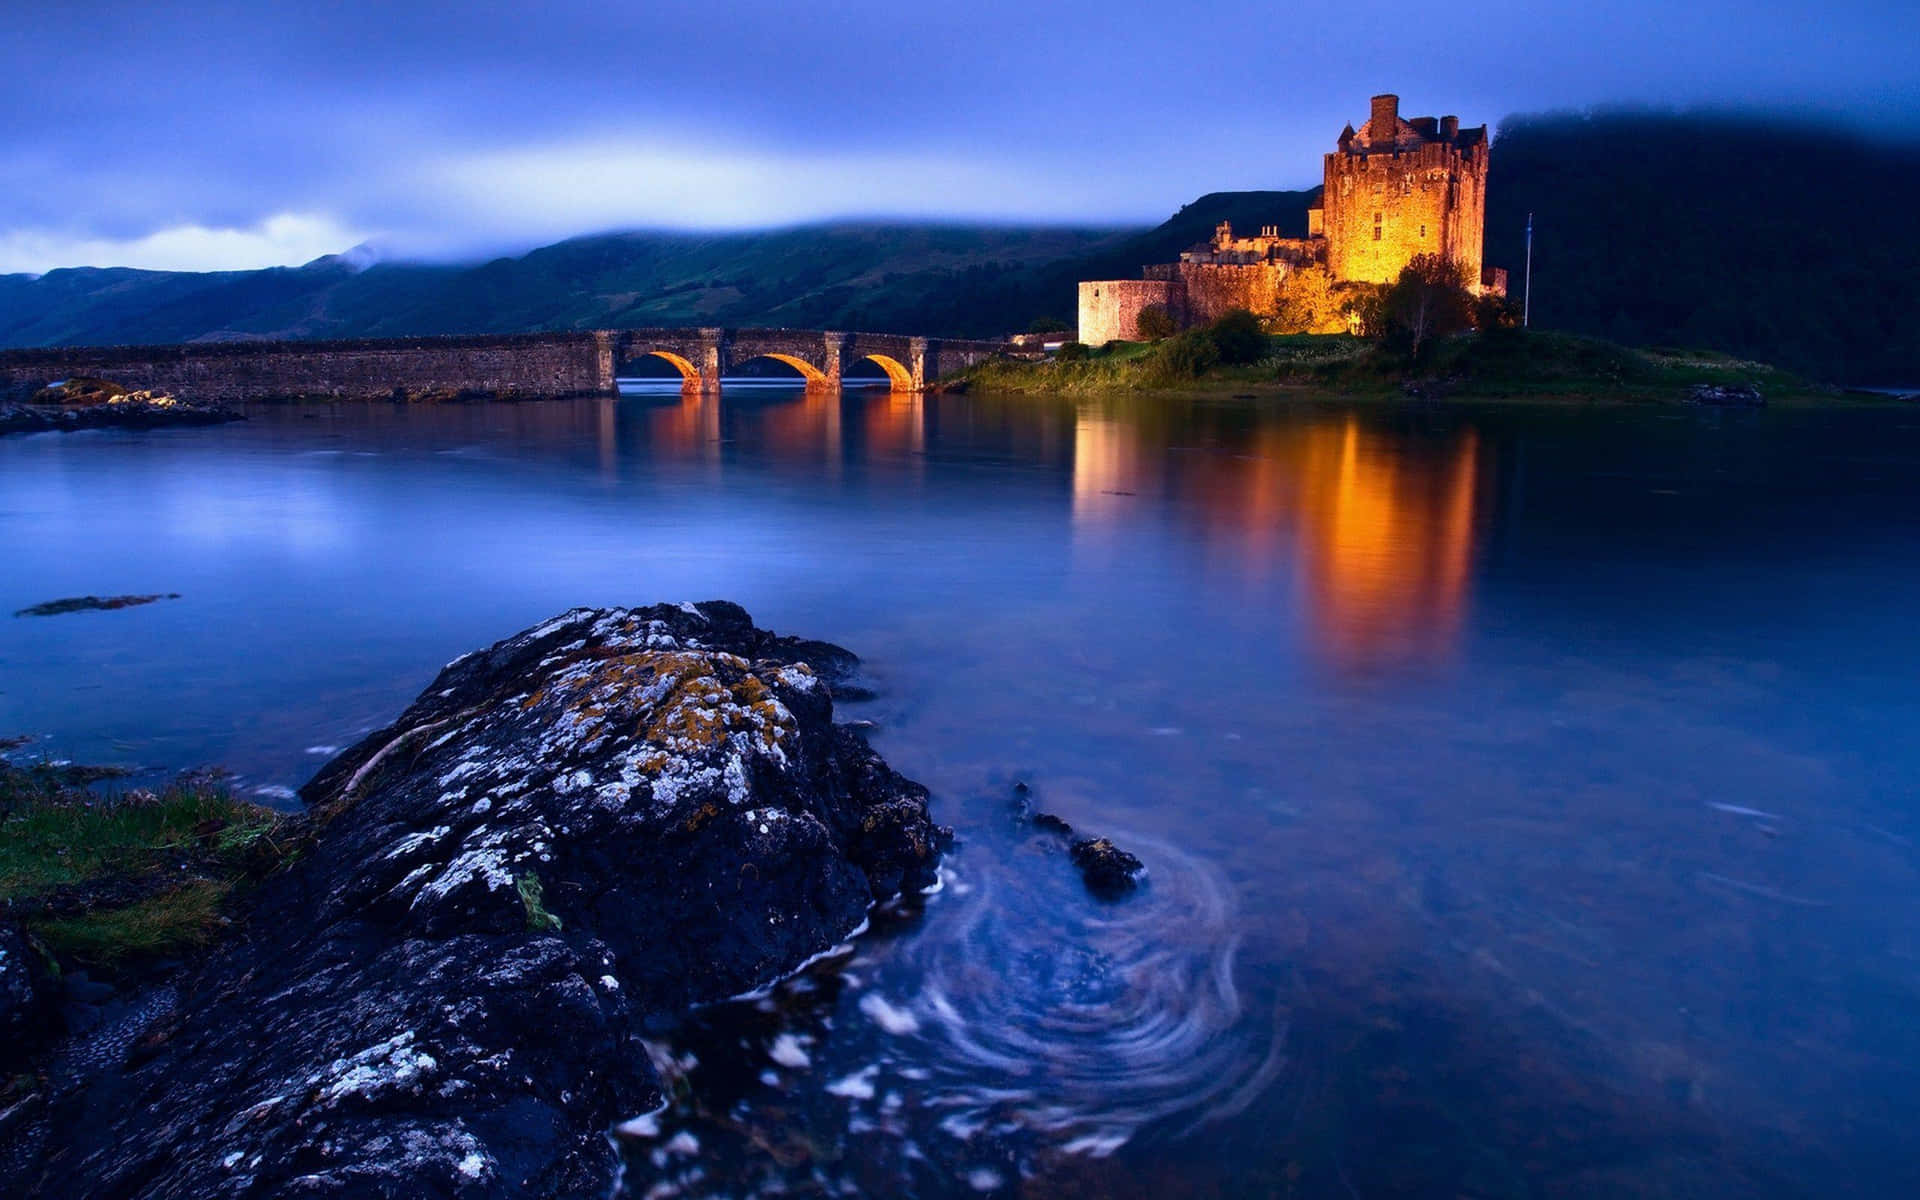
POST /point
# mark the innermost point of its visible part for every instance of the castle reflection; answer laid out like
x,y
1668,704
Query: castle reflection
x,y
1378,533
1372,526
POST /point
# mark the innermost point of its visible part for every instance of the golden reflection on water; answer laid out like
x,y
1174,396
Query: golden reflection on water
x,y
689,429
1376,528
895,425
1380,534
1389,541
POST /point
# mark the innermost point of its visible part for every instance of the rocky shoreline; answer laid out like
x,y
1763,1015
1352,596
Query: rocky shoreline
x,y
76,404
579,830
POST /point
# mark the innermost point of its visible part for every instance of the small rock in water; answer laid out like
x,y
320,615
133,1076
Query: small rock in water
x,y
1108,870
72,604
1733,395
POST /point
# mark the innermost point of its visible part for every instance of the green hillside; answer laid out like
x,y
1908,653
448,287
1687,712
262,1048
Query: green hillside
x,y
811,276
1765,239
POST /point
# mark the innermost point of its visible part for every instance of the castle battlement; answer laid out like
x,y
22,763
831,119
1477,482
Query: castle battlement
x,y
1394,189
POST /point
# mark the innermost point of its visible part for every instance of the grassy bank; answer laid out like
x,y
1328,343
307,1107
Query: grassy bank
x,y
113,881
1502,364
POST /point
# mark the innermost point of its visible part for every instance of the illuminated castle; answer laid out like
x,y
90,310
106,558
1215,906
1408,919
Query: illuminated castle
x,y
1394,189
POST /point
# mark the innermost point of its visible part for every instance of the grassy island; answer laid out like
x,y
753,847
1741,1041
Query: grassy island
x,y
1497,364
1429,334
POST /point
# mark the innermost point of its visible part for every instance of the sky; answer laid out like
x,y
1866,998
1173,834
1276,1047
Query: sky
x,y
228,135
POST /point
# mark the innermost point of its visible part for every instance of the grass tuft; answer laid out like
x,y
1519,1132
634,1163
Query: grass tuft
x,y
533,899
104,879
180,918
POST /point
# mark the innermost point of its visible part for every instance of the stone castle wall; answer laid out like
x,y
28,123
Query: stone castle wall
x,y
1383,209
1110,308
1204,292
526,366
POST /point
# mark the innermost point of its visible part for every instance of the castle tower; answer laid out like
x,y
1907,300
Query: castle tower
x,y
1398,188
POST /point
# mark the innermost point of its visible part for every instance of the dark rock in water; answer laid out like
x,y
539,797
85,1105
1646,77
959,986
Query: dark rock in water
x,y
26,999
1108,870
1726,396
1048,823
603,819
73,604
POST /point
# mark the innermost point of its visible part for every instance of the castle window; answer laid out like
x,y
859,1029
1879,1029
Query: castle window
x,y
1423,231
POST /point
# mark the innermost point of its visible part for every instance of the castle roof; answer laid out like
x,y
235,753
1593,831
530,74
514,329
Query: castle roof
x,y
1386,130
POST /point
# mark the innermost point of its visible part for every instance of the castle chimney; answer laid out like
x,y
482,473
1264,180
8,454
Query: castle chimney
x,y
1384,126
1449,128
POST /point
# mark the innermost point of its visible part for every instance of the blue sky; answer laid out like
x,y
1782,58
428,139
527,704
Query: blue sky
x,y
225,135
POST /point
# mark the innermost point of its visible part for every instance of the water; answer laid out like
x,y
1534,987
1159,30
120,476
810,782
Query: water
x,y
1529,795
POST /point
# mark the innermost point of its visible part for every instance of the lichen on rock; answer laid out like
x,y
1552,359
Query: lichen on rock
x,y
613,815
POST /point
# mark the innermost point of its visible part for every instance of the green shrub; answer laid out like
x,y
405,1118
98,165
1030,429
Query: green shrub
x,y
1238,338
1492,312
1073,352
1048,325
1155,323
1186,355
1429,301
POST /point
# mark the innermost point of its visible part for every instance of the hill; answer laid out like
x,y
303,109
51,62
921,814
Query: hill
x,y
1763,238
822,276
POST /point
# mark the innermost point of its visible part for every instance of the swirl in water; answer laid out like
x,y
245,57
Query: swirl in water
x,y
1017,1017
1034,1007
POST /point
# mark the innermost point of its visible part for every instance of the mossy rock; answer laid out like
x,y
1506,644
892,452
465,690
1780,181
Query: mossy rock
x,y
80,392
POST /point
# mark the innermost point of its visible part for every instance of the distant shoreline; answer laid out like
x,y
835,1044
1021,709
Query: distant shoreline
x,y
1507,365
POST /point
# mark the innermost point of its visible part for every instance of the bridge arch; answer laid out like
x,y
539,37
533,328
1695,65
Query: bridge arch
x,y
897,373
808,371
689,374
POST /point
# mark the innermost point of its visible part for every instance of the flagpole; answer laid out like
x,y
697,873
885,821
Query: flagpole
x,y
1526,303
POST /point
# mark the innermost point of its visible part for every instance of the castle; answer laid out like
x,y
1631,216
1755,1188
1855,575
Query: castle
x,y
1394,189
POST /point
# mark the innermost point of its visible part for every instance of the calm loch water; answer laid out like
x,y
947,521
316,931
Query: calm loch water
x,y
1531,797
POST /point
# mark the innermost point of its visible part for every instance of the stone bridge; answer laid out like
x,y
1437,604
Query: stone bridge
x,y
519,366
705,356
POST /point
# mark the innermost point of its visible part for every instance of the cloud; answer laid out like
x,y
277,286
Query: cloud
x,y
620,182
286,239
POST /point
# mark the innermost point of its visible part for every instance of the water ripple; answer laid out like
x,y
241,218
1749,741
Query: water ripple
x,y
1086,1022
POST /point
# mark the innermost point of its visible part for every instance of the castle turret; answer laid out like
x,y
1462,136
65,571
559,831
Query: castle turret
x,y
1449,128
1384,126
